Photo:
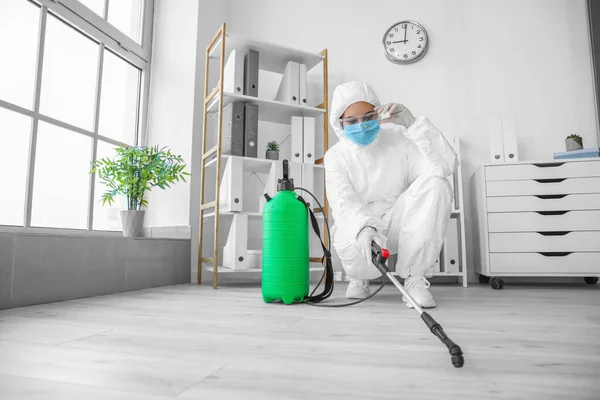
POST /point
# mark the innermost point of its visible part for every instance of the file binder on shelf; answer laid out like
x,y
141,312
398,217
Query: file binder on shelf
x,y
496,142
303,99
309,140
231,193
235,249
251,73
290,85
303,139
234,73
297,139
233,129
251,130
503,140
451,252
509,135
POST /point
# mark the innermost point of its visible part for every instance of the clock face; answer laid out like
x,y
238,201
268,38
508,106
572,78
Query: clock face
x,y
405,42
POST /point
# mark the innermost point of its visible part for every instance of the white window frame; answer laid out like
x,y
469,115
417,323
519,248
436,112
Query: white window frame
x,y
94,26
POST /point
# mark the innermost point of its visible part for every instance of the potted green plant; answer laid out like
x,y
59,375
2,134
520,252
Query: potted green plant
x,y
574,142
272,151
132,172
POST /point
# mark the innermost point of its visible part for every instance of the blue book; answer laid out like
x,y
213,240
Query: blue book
x,y
583,153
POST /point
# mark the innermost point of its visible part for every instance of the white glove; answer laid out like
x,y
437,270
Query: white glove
x,y
398,114
364,239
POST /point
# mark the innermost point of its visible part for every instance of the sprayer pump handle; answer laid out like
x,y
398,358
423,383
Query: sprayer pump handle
x,y
285,170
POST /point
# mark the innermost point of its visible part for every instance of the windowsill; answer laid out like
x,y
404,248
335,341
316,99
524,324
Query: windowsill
x,y
150,233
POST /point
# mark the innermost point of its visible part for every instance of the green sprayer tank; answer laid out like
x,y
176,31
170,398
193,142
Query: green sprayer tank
x,y
285,255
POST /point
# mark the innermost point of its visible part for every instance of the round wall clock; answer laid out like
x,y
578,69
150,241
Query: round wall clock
x,y
405,42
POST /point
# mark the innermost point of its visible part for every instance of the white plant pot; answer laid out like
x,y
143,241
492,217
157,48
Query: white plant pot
x,y
133,222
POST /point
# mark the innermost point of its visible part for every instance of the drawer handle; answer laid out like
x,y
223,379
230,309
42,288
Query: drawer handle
x,y
556,164
552,212
550,196
550,180
555,233
556,254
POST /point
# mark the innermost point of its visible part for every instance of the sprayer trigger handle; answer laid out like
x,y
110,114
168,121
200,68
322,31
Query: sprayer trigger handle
x,y
285,169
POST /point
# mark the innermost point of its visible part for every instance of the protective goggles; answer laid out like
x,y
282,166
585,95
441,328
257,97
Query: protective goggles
x,y
370,116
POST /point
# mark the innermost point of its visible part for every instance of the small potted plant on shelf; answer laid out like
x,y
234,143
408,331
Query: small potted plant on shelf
x,y
574,142
132,172
272,151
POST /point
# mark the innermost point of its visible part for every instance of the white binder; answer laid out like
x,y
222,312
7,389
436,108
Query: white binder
x,y
288,89
296,171
235,251
297,139
308,183
309,140
509,134
451,245
496,141
303,99
231,192
233,72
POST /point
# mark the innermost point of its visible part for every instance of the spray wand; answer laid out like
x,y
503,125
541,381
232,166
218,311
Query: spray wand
x,y
380,257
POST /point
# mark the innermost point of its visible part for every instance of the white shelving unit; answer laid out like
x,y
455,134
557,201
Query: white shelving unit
x,y
272,58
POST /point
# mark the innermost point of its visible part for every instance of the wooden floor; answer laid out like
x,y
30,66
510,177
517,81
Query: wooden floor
x,y
190,342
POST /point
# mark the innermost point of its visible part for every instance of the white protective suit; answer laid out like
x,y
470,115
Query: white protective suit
x,y
396,184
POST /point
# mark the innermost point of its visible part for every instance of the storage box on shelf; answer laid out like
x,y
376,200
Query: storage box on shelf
x,y
233,87
538,219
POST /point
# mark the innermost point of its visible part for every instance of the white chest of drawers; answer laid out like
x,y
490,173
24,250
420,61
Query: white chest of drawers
x,y
537,219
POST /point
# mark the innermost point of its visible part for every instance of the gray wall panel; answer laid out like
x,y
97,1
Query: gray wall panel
x,y
158,265
56,268
7,244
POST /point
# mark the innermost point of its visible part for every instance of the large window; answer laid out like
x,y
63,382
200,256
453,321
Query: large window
x,y
73,86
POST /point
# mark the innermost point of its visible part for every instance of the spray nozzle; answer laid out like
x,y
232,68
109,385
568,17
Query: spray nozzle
x,y
286,183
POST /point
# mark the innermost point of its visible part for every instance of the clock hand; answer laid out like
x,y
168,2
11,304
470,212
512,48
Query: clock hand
x,y
400,41
405,34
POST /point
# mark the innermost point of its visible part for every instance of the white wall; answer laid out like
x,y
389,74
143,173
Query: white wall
x,y
171,105
526,58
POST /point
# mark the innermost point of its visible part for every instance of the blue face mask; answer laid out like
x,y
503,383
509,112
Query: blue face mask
x,y
362,133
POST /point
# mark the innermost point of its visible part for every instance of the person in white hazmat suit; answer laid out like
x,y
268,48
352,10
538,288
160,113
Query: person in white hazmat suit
x,y
387,185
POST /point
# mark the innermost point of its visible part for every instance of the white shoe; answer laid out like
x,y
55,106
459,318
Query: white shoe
x,y
418,288
358,289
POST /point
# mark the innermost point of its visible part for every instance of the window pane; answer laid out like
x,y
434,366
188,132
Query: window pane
x,y
96,6
15,131
69,75
118,99
107,217
61,181
19,22
125,15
